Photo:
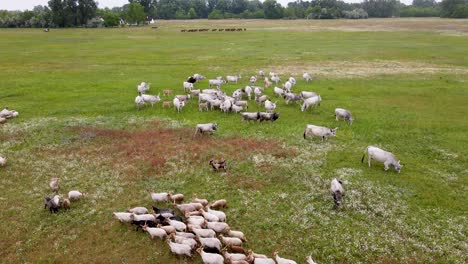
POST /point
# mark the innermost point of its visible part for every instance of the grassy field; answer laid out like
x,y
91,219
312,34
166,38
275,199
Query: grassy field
x,y
405,80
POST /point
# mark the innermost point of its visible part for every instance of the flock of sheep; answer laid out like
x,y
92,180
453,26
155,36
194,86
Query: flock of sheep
x,y
6,114
196,226
57,202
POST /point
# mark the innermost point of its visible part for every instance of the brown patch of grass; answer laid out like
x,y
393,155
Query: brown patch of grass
x,y
152,147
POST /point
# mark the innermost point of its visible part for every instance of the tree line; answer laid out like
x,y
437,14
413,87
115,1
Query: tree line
x,y
85,13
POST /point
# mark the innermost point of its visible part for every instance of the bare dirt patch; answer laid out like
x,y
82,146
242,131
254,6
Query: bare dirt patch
x,y
153,147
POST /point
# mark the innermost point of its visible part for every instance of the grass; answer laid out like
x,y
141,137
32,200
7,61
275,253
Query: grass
x,y
74,89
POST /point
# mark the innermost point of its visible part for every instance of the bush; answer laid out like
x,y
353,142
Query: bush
x,y
415,11
357,13
215,14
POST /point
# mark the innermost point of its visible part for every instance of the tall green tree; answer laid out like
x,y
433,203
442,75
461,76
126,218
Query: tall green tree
x,y
86,10
58,15
272,9
454,8
135,13
70,9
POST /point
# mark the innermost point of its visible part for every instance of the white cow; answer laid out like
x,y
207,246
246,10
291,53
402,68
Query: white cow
x,y
312,101
270,106
188,86
178,105
343,114
381,155
323,132
216,82
287,86
233,78
278,91
337,191
139,101
152,99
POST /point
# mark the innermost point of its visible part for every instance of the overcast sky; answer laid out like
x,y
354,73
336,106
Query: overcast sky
x,y
29,4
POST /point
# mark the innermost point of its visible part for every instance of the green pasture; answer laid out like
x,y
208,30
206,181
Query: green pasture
x,y
69,81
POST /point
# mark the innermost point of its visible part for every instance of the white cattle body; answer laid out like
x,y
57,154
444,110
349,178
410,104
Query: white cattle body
x,y
319,131
312,101
337,191
381,155
343,114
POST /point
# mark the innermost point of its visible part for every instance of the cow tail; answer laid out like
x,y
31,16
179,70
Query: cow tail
x,y
304,134
362,160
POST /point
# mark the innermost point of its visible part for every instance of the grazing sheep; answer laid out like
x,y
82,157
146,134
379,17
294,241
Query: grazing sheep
x,y
75,195
219,214
209,217
210,242
210,258
257,92
216,82
261,73
152,99
275,79
49,203
166,104
123,216
230,257
287,86
185,234
138,210
195,199
178,105
343,114
237,234
169,229
267,83
218,164
180,249
307,77
305,94
280,260
155,232
309,260
7,114
175,197
184,208
323,132
247,116
218,227
143,218
381,155
66,204
167,92
143,87
195,220
184,240
263,261
219,204
230,240
337,191
53,183
206,128
203,232
159,197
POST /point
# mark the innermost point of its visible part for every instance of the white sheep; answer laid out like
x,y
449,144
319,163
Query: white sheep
x,y
178,197
139,101
248,90
231,240
218,227
219,214
238,234
188,86
278,91
264,261
236,108
123,216
210,242
184,240
307,77
143,217
180,249
185,234
169,229
143,87
270,106
195,199
203,232
233,257
179,226
138,210
280,260
53,184
75,195
159,197
209,217
253,79
155,232
210,258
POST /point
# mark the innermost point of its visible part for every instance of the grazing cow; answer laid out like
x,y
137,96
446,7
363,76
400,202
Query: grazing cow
x,y
247,116
337,191
292,97
312,101
307,77
268,116
319,131
306,95
343,114
206,128
188,86
234,79
381,155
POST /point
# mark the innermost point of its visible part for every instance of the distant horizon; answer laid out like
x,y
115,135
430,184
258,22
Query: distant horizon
x,y
30,4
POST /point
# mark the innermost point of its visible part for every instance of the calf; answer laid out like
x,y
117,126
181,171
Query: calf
x,y
381,155
319,131
268,116
337,191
